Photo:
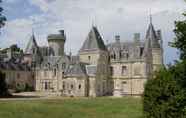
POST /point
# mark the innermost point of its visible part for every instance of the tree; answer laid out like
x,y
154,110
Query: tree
x,y
180,40
163,98
3,86
165,95
2,17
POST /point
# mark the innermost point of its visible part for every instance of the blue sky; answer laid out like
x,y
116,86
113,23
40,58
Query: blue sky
x,y
19,9
112,17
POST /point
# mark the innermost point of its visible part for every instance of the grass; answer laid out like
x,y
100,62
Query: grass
x,y
73,108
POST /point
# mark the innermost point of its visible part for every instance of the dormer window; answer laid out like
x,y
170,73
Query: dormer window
x,y
63,66
113,56
124,70
141,51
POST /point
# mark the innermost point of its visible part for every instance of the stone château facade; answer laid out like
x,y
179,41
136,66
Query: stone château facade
x,y
118,69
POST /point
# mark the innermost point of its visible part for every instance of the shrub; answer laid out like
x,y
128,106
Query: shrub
x,y
163,97
28,88
20,88
3,86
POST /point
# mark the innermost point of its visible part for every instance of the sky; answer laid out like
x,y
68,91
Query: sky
x,y
76,17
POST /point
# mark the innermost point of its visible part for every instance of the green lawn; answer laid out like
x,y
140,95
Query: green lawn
x,y
73,108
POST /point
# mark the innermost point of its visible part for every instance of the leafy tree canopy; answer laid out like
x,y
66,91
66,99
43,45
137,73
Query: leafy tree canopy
x,y
180,40
2,17
165,95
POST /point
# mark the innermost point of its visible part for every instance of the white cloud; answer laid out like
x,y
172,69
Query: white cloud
x,y
112,17
10,1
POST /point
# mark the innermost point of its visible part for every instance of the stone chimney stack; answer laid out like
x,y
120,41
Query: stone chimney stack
x,y
117,38
62,32
159,35
136,37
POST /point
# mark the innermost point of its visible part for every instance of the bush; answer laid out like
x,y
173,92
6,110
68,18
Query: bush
x,y
3,86
163,97
20,88
28,88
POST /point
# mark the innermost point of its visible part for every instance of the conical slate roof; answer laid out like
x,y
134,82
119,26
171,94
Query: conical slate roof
x,y
31,44
151,34
94,41
147,47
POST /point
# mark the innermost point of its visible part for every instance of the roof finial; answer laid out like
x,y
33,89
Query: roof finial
x,y
150,17
32,31
33,21
93,23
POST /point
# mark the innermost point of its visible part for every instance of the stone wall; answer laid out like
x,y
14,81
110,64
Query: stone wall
x,y
125,87
129,78
157,59
75,86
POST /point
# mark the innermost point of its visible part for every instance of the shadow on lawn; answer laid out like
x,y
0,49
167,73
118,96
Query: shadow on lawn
x,y
18,96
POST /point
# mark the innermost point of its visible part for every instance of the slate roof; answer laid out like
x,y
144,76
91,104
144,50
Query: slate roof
x,y
50,62
31,44
77,70
91,70
151,34
134,50
93,41
14,66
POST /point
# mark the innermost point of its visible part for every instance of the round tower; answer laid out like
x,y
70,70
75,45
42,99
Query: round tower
x,y
56,43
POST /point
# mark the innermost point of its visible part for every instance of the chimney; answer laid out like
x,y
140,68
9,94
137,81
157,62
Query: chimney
x,y
62,32
158,33
136,37
117,38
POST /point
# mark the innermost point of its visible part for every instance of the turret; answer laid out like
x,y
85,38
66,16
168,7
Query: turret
x,y
56,43
156,46
32,53
93,47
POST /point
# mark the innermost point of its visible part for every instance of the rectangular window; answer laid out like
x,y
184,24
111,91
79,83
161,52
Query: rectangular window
x,y
141,51
63,85
46,85
55,72
89,58
137,71
111,70
18,75
63,66
124,70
